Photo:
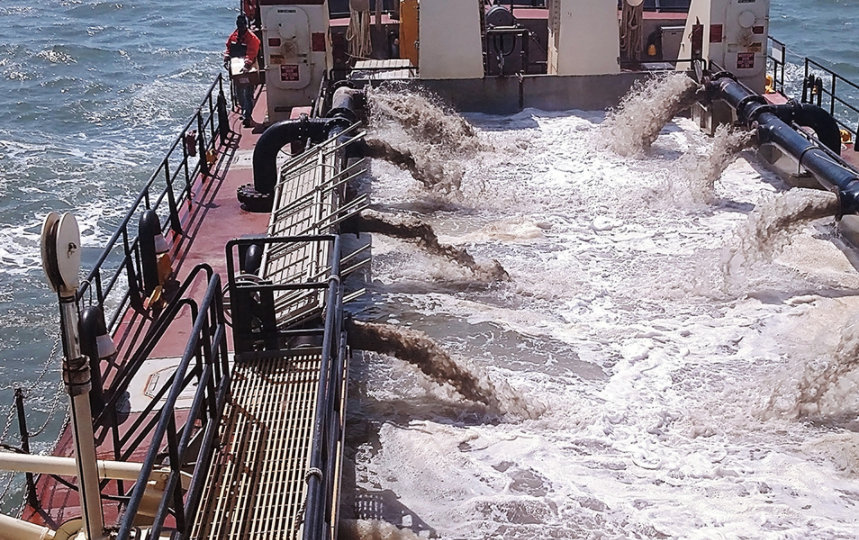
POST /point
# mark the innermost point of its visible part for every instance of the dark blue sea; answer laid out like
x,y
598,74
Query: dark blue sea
x,y
92,93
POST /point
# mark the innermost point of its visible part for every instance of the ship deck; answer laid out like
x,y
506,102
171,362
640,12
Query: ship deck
x,y
256,483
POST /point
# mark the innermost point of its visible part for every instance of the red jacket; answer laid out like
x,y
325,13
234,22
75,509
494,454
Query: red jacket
x,y
249,40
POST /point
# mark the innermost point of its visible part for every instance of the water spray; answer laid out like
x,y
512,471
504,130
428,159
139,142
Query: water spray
x,y
375,222
417,348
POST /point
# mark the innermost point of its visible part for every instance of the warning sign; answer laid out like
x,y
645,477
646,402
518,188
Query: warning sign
x,y
289,72
745,60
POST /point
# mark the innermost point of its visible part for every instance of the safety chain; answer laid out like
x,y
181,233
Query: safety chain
x,y
8,486
57,395
12,410
8,422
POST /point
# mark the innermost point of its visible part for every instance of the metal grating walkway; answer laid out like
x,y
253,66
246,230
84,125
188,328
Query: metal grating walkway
x,y
306,203
256,484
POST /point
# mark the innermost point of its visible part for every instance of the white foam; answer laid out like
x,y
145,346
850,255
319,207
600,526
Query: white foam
x,y
657,380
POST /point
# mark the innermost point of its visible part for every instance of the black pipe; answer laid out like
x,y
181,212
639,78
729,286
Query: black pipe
x,y
769,121
276,137
258,197
252,259
813,116
344,105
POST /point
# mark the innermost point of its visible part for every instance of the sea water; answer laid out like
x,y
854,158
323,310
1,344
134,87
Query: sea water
x,y
683,387
676,399
92,93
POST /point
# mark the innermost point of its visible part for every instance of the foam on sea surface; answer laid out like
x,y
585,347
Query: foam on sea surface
x,y
656,378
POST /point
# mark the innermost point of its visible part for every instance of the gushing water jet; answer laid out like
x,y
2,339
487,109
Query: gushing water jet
x,y
372,529
423,118
421,136
417,348
374,222
428,174
820,385
634,125
767,228
701,172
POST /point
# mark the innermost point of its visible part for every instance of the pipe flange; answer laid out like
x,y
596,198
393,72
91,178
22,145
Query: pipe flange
x,y
723,74
741,107
344,83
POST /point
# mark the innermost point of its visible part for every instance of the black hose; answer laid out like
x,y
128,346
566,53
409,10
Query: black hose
x,y
771,123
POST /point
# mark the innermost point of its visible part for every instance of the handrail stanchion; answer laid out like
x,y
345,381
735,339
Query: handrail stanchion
x,y
32,500
204,161
223,116
175,223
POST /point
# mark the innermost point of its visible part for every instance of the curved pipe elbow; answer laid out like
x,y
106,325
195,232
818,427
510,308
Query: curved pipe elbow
x,y
821,122
848,198
276,137
342,115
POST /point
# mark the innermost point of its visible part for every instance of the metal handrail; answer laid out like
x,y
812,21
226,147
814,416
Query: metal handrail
x,y
121,255
814,87
779,63
106,423
838,107
328,426
209,121
207,348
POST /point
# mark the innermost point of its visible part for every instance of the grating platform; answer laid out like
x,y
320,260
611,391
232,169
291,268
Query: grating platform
x,y
256,484
306,202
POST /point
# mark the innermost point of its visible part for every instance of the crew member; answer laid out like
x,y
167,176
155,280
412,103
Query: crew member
x,y
243,44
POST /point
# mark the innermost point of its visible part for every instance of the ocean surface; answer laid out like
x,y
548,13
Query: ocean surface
x,y
679,380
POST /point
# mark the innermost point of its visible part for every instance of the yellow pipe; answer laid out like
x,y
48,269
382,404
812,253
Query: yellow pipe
x,y
17,529
65,466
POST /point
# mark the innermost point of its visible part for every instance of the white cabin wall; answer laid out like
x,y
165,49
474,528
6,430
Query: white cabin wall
x,y
449,44
583,37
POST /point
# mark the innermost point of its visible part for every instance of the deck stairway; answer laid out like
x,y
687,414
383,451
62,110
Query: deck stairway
x,y
276,474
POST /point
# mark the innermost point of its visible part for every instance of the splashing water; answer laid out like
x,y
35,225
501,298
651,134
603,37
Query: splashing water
x,y
374,222
701,172
423,117
417,348
422,135
430,174
635,124
768,228
827,384
372,529
606,322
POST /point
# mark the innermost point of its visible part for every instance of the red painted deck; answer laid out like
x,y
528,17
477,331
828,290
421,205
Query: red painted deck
x,y
209,221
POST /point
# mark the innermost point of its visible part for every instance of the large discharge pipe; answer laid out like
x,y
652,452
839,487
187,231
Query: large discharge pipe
x,y
342,114
773,125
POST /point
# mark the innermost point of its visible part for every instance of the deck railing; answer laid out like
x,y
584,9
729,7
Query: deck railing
x,y
167,189
186,437
820,85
